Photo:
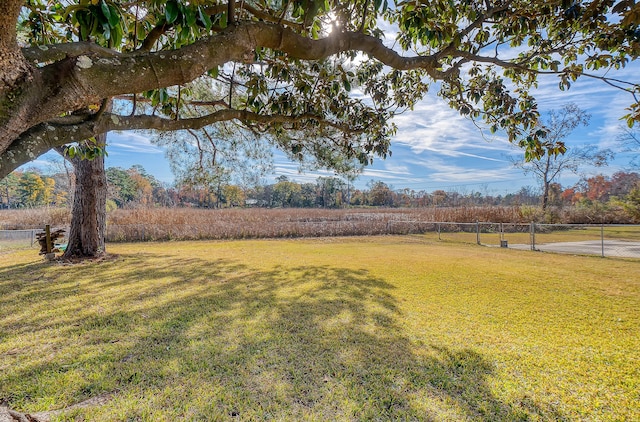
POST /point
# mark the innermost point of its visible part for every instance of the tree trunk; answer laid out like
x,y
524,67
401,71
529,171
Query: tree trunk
x,y
545,196
88,215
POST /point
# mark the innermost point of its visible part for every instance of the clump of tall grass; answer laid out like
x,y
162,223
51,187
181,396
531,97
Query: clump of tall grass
x,y
187,223
34,218
139,224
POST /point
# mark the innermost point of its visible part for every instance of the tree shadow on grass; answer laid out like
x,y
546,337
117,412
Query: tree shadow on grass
x,y
214,339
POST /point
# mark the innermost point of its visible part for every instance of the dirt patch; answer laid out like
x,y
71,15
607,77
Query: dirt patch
x,y
74,261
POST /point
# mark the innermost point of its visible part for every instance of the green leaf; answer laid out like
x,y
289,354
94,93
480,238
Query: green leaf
x,y
190,17
204,17
114,17
116,35
163,95
105,9
84,32
171,11
214,72
106,31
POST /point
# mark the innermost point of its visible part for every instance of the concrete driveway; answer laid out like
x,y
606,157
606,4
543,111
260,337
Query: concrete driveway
x,y
619,248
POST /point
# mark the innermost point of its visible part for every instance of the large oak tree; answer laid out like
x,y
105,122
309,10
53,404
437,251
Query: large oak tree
x,y
315,76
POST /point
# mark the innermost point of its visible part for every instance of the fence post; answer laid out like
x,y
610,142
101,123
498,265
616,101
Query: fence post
x,y
477,232
533,236
438,225
602,237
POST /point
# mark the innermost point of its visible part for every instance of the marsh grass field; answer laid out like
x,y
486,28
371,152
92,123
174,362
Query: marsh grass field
x,y
359,328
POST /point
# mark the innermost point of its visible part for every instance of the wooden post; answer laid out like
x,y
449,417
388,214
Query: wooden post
x,y
533,236
602,237
47,231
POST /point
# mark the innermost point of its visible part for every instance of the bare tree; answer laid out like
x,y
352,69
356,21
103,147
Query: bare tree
x,y
630,141
558,158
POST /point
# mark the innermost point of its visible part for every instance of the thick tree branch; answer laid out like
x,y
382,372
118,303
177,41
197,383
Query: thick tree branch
x,y
8,18
45,137
57,52
100,76
82,74
142,122
42,138
77,82
14,69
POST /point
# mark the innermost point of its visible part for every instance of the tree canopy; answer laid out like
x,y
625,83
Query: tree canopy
x,y
316,77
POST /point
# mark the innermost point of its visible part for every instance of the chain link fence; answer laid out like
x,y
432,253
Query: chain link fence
x,y
589,239
602,240
18,239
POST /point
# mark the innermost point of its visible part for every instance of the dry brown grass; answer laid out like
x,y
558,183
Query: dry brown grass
x,y
32,218
142,224
163,224
22,219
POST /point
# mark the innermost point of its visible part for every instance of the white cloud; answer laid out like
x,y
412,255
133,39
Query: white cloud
x,y
389,176
450,171
397,168
131,142
434,126
294,172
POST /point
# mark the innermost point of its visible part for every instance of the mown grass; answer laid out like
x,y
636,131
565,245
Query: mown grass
x,y
385,328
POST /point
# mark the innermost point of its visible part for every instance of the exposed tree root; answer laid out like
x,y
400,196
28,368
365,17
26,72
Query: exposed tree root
x,y
9,415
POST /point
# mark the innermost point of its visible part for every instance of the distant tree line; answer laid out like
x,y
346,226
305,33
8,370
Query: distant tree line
x,y
134,187
30,189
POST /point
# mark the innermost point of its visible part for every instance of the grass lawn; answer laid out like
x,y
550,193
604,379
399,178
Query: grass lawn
x,y
380,328
543,234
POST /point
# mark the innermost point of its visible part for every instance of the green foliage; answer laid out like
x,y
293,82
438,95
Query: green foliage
x,y
538,27
8,190
531,213
631,203
339,109
122,186
285,194
111,205
34,190
380,195
86,150
130,187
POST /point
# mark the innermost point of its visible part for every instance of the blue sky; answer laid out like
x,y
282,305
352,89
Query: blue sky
x,y
436,148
